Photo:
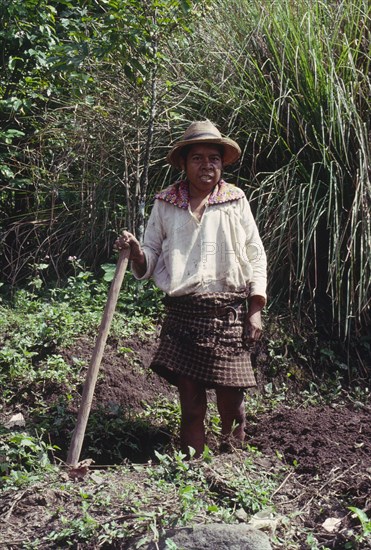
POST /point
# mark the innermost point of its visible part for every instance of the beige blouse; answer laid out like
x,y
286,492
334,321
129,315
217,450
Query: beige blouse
x,y
221,252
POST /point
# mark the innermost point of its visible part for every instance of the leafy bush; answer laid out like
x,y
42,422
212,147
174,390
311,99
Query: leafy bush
x,y
24,458
137,298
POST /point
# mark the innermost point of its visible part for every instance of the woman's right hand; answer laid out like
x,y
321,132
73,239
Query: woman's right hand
x,y
127,239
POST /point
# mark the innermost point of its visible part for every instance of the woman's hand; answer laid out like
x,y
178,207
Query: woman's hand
x,y
253,326
126,240
253,321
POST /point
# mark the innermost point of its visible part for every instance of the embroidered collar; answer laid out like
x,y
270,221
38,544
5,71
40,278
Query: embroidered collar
x,y
178,194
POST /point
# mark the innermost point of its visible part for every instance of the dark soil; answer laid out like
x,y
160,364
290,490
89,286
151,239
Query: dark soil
x,y
125,380
317,439
330,449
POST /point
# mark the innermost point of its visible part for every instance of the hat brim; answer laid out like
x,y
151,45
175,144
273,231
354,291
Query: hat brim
x,y
232,151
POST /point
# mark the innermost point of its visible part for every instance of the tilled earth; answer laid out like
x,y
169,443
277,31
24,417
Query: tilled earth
x,y
330,449
327,450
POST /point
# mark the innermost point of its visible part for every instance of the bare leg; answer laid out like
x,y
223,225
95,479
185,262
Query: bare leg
x,y
231,408
193,404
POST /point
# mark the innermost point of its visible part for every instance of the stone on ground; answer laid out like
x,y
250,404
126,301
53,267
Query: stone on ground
x,y
215,536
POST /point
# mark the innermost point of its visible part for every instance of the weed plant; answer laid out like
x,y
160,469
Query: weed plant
x,y
24,459
141,501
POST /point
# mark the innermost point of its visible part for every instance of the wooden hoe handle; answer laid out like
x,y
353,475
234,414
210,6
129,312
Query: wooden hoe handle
x,y
92,374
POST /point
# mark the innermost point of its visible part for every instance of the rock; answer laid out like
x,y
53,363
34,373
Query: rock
x,y
214,536
15,420
241,515
265,519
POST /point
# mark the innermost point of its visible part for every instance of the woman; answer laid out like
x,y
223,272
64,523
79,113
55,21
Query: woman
x,y
202,248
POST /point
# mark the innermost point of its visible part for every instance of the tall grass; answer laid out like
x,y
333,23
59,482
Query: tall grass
x,y
291,81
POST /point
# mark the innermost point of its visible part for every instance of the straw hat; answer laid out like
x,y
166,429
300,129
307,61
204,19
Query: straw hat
x,y
204,132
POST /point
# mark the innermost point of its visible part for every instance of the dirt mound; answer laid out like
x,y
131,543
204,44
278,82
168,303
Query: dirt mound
x,y
124,380
316,439
125,387
330,450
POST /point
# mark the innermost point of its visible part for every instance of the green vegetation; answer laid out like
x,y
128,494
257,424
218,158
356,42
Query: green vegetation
x,y
38,323
365,522
91,95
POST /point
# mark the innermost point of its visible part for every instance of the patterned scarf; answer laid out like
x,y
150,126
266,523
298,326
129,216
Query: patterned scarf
x,y
178,194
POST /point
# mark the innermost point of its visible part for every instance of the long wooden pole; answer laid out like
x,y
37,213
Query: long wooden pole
x,y
92,374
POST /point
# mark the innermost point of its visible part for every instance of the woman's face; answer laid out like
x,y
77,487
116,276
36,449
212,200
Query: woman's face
x,y
203,167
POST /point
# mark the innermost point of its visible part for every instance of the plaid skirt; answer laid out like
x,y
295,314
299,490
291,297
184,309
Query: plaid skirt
x,y
202,337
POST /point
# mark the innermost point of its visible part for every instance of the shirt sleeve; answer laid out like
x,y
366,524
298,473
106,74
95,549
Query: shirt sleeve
x,y
255,252
152,242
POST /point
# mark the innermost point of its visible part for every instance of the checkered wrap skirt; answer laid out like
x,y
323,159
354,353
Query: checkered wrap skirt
x,y
202,337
